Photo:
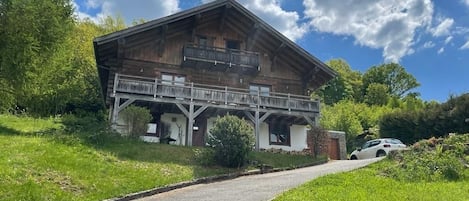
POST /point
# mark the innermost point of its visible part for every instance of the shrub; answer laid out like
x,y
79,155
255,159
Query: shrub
x,y
91,128
137,119
431,160
232,139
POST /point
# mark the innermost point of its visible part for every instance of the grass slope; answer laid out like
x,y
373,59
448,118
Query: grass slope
x,y
38,166
367,184
433,169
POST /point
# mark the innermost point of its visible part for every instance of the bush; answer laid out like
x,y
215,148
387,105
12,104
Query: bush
x,y
232,139
92,128
137,119
431,160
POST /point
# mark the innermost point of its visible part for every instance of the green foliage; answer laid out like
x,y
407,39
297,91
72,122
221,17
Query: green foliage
x,y
433,120
376,94
232,139
346,86
393,75
32,33
342,117
431,160
137,119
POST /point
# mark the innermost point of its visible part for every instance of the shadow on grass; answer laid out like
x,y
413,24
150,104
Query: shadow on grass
x,y
8,131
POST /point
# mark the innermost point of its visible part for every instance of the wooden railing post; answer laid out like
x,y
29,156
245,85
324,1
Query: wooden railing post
x,y
258,98
226,95
155,87
116,79
192,91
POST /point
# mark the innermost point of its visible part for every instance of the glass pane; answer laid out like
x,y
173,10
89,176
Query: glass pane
x,y
179,80
253,89
265,91
167,79
273,137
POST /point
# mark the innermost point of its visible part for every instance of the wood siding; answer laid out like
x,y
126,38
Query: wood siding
x,y
143,56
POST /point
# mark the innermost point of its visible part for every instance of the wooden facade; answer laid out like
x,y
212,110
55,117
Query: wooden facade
x,y
212,59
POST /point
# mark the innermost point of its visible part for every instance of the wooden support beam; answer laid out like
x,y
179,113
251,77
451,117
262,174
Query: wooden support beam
x,y
257,120
118,107
249,115
225,11
314,123
125,104
275,54
264,117
257,129
191,115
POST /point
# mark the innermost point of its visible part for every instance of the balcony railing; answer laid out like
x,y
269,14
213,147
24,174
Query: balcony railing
x,y
223,57
211,94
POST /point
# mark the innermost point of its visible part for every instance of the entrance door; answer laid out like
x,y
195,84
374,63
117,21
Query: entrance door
x,y
333,149
198,134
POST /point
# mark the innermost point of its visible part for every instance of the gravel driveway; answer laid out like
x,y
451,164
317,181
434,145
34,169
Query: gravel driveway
x,y
258,187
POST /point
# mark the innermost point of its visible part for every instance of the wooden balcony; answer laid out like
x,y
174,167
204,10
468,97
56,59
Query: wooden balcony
x,y
220,59
212,95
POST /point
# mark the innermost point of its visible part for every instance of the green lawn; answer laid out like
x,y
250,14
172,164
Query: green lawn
x,y
39,162
368,184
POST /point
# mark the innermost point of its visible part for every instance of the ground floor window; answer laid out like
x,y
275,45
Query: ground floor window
x,y
279,133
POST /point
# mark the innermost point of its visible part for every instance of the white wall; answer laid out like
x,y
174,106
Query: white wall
x,y
297,136
180,121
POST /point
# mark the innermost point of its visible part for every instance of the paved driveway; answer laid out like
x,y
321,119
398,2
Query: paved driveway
x,y
258,187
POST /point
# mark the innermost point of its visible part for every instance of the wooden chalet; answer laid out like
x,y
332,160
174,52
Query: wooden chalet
x,y
192,66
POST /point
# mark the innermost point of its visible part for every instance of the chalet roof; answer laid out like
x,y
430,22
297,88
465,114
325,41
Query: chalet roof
x,y
314,70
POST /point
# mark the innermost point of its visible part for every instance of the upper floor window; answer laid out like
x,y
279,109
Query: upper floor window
x,y
233,44
204,41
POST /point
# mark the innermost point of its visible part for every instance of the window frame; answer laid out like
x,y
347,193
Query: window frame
x,y
273,126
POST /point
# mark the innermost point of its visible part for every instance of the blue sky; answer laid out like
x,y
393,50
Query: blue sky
x,y
429,38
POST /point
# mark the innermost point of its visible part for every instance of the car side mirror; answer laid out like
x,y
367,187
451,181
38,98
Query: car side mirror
x,y
359,148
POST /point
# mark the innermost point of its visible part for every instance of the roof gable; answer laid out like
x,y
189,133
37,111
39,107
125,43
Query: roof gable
x,y
312,69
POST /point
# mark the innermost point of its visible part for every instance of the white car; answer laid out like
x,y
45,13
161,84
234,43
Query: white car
x,y
377,148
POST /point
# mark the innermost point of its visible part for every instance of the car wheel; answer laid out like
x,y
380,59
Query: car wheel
x,y
380,153
353,157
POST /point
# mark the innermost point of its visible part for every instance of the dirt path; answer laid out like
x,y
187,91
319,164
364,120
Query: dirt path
x,y
258,187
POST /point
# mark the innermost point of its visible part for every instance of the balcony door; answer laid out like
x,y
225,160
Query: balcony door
x,y
173,85
263,90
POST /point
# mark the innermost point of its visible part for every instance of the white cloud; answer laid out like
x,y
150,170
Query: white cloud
x,y
465,46
441,50
466,2
130,10
387,24
286,22
428,44
448,39
461,30
82,15
443,28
